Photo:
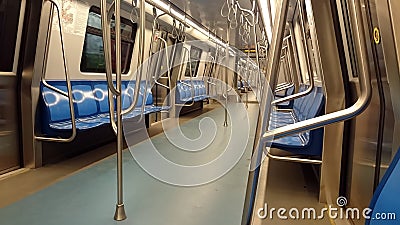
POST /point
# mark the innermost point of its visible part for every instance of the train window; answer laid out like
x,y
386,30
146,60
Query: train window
x,y
93,54
9,20
195,56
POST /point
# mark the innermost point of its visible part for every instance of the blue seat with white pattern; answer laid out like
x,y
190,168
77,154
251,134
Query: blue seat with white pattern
x,y
91,105
307,143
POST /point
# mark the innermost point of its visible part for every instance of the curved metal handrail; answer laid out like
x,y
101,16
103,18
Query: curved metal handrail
x,y
67,78
284,88
140,68
168,67
309,68
342,115
106,15
187,51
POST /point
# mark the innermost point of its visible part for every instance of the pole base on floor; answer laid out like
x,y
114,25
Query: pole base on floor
x,y
225,123
120,214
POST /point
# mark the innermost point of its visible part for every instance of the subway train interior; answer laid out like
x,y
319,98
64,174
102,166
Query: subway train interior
x,y
217,112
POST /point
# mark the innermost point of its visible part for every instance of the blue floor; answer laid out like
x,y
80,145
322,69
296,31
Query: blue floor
x,y
89,197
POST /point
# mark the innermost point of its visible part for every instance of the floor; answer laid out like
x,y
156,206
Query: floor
x,y
292,186
19,184
88,195
83,190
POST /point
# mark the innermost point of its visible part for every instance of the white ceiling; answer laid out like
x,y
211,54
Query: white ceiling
x,y
208,13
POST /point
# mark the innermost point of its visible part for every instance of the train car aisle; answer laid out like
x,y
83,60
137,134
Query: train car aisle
x,y
88,197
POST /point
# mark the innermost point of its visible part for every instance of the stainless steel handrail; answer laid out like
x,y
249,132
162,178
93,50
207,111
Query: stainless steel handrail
x,y
342,115
116,120
284,88
148,77
228,33
187,51
166,54
282,84
141,58
105,25
273,67
309,68
67,78
120,208
168,68
105,21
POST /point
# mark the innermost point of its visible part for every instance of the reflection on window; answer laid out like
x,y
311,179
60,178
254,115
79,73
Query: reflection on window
x,y
195,56
9,19
93,54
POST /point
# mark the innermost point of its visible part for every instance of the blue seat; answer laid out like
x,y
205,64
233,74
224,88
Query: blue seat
x,y
307,143
188,91
145,96
385,198
287,92
91,105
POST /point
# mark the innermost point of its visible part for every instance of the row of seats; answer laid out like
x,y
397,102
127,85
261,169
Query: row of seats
x,y
91,105
288,92
307,143
384,200
190,91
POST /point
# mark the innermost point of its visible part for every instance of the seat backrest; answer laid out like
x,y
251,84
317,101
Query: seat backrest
x,y
146,92
100,90
290,90
196,88
317,105
308,104
308,101
56,106
299,102
386,197
181,94
239,84
84,99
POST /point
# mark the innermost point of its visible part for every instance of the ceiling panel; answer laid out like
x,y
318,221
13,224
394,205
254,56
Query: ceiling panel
x,y
208,13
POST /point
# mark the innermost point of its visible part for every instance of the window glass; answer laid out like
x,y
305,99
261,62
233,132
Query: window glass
x,y
9,19
93,54
195,56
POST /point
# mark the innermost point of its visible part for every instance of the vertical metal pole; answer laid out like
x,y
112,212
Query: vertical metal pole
x,y
228,34
295,57
276,45
257,53
120,208
305,43
247,77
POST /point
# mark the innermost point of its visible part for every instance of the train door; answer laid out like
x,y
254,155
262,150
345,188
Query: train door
x,y
11,21
374,131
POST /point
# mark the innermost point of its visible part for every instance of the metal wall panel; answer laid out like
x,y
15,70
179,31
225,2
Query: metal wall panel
x,y
9,147
366,127
333,83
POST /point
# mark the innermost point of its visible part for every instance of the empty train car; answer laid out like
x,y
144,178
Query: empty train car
x,y
246,112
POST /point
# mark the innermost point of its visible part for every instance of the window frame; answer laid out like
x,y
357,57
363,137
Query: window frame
x,y
17,48
196,59
90,30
